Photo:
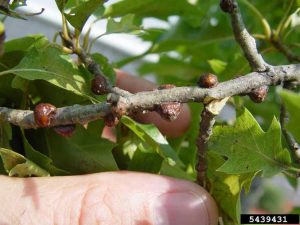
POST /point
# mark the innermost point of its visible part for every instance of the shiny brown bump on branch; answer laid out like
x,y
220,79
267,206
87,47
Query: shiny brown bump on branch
x,y
207,80
227,5
170,110
259,94
65,130
99,85
44,114
111,120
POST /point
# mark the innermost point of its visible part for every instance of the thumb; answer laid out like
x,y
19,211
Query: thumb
x,y
105,198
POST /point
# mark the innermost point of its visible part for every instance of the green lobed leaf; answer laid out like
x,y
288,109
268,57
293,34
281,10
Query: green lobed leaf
x,y
152,136
80,14
84,152
125,25
152,8
291,101
17,165
51,65
226,188
246,142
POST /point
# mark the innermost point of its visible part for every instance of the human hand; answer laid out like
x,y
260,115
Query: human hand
x,y
112,197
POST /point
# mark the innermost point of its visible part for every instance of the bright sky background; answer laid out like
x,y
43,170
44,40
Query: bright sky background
x,y
127,43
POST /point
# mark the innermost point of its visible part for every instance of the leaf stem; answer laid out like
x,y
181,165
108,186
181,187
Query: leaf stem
x,y
283,21
264,22
65,29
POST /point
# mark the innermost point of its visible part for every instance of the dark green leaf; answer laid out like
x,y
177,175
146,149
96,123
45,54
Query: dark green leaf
x,y
41,160
61,4
246,142
80,14
84,152
291,101
105,66
5,135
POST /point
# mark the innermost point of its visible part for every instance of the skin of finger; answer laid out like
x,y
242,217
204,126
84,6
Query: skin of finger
x,y
106,198
171,129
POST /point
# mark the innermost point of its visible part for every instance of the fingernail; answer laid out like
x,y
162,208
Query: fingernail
x,y
181,208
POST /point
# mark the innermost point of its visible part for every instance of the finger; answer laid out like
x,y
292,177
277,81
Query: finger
x,y
107,198
171,129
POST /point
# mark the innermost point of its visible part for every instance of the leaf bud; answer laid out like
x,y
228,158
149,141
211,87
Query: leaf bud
x,y
227,5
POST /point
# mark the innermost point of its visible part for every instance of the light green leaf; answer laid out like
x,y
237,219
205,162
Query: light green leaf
x,y
174,171
51,65
20,83
291,101
246,142
145,162
151,8
84,152
80,14
17,165
226,188
152,136
125,25
218,66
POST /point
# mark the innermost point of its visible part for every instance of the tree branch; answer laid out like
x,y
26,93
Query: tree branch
x,y
291,142
285,50
210,111
206,125
141,101
65,115
90,64
242,36
244,84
